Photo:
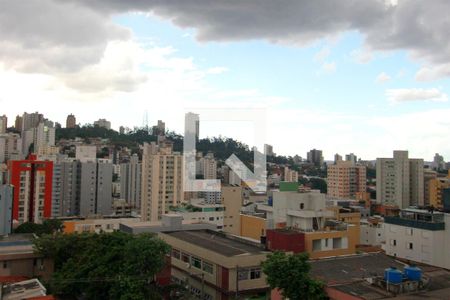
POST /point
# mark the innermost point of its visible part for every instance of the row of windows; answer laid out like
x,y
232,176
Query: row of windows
x,y
249,273
194,261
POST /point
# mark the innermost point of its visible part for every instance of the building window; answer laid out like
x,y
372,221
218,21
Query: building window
x,y
393,243
409,231
243,274
207,267
5,264
185,257
176,254
409,246
196,262
302,205
255,273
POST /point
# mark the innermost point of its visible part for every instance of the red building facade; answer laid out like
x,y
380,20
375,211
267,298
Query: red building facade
x,y
285,240
32,181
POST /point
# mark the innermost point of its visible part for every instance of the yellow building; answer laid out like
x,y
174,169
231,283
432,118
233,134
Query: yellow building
x,y
253,227
216,266
332,242
435,189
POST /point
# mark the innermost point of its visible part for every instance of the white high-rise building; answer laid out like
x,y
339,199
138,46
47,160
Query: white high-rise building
x,y
400,180
162,180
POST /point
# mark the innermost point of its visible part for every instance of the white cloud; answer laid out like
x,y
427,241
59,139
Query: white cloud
x,y
409,95
382,78
433,72
361,56
329,67
217,70
322,54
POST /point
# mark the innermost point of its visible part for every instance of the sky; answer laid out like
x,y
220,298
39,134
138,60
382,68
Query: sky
x,y
343,76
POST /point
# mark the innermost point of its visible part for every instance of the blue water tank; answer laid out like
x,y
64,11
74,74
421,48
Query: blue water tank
x,y
413,273
393,275
270,202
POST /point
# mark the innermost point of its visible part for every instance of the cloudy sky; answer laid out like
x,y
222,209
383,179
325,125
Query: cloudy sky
x,y
362,76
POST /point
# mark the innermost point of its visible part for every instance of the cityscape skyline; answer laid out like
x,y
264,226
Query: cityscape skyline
x,y
335,85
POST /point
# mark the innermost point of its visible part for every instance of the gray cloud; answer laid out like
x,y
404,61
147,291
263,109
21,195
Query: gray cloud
x,y
420,27
67,35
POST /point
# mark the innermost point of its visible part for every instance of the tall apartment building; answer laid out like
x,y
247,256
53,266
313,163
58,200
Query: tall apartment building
x,y
268,150
400,180
337,157
436,192
197,124
428,176
315,157
96,187
3,124
159,128
162,180
438,162
346,179
44,135
32,181
102,123
130,181
30,121
71,121
10,147
209,166
18,123
6,200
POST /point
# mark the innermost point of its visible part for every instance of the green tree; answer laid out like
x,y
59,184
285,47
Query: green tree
x,y
290,274
104,266
318,184
48,226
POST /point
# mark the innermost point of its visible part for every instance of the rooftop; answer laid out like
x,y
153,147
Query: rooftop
x,y
217,242
352,268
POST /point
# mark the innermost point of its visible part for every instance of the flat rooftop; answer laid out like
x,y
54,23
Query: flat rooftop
x,y
345,269
217,242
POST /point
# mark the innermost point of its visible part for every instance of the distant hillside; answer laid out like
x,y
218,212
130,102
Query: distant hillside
x,y
222,147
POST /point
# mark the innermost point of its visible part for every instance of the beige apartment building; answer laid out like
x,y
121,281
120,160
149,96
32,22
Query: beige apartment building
x,y
346,179
232,200
162,180
400,180
215,265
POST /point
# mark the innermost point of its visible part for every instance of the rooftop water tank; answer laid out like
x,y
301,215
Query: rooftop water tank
x,y
413,273
393,275
270,202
